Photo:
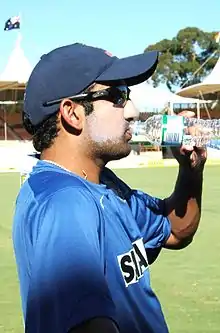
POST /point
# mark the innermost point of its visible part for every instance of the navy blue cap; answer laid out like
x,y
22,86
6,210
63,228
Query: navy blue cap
x,y
69,70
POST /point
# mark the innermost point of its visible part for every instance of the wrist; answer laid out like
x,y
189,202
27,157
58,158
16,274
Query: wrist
x,y
190,170
190,179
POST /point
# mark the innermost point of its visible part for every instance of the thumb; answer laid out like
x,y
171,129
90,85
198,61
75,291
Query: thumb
x,y
188,114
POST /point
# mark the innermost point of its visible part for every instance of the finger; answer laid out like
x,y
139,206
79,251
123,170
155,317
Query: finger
x,y
194,131
198,131
200,149
194,159
188,114
201,152
187,148
198,157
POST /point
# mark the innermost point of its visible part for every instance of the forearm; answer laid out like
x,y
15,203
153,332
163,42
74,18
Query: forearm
x,y
183,207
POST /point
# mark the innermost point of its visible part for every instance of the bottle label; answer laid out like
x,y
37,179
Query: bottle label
x,y
172,130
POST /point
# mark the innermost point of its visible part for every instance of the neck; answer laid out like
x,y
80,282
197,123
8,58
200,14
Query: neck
x,y
78,164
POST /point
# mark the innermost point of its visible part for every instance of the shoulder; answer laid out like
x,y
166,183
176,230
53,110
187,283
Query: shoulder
x,y
72,204
62,191
51,183
72,196
57,209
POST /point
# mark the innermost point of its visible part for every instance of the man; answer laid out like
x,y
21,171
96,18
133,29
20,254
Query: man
x,y
83,239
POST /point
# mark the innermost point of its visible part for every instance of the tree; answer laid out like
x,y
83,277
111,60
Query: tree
x,y
182,56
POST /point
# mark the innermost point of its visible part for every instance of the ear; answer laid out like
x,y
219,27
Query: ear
x,y
72,113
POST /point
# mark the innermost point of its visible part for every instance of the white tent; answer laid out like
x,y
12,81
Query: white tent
x,y
211,84
147,97
17,70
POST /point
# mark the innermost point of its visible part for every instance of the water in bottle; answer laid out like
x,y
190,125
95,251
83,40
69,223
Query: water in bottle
x,y
165,130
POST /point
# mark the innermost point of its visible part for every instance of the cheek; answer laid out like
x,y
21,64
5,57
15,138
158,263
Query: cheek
x,y
109,125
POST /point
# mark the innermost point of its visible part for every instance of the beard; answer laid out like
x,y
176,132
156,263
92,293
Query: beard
x,y
106,141
109,150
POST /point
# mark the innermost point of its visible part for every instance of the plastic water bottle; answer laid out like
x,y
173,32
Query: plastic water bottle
x,y
165,130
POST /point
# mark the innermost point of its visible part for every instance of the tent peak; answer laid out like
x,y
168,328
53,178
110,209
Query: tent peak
x,y
18,67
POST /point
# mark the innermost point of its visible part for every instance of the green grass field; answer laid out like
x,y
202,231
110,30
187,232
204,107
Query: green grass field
x,y
187,281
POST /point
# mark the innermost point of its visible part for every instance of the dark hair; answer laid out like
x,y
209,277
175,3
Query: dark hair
x,y
43,135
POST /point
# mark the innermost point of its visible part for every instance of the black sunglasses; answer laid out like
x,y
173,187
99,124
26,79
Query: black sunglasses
x,y
117,95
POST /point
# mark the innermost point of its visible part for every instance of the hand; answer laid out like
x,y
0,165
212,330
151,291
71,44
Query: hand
x,y
194,157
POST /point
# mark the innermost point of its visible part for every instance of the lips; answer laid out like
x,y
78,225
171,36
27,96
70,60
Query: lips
x,y
128,134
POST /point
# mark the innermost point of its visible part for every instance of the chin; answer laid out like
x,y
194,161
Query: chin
x,y
120,153
112,151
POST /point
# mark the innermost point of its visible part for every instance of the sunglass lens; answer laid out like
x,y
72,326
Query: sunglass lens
x,y
121,95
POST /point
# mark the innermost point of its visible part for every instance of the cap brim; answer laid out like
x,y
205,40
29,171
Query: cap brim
x,y
133,70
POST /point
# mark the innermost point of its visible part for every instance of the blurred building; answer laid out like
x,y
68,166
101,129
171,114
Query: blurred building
x,y
12,86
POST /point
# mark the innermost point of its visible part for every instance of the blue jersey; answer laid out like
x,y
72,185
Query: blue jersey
x,y
83,251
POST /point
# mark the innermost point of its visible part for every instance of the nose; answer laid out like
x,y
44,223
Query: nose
x,y
130,111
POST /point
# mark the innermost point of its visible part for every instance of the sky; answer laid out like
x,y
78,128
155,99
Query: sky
x,y
123,27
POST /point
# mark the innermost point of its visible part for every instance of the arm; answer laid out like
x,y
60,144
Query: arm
x,y
183,207
68,286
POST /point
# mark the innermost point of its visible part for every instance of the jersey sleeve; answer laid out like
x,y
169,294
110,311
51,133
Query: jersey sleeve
x,y
67,285
148,212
